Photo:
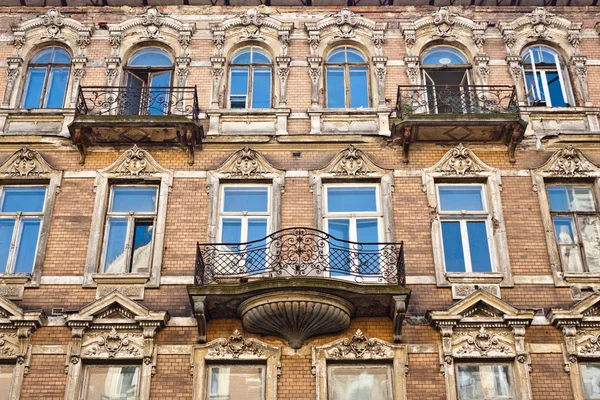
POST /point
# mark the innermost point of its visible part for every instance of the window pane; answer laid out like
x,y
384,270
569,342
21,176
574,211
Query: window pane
x,y
112,383
360,383
57,86
444,56
590,236
337,56
27,245
23,199
231,230
354,55
238,89
242,57
240,382
256,254
530,87
453,249
559,200
459,198
571,198
114,259
590,376
336,89
151,57
142,245
136,199
43,56
352,199
260,57
248,199
479,246
60,56
160,99
34,87
556,94
483,382
359,95
339,257
367,231
261,93
564,228
6,373
6,231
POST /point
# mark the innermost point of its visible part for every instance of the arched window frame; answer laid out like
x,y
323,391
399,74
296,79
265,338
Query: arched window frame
x,y
347,67
465,65
537,92
251,67
46,87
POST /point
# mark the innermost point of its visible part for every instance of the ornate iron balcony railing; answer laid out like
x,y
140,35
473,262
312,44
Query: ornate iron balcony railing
x,y
301,252
132,101
455,99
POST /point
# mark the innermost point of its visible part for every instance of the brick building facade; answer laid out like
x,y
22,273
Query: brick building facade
x,y
255,202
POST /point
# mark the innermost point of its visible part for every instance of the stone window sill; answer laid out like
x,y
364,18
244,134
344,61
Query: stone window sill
x,y
475,278
121,279
233,112
350,111
16,279
558,110
582,277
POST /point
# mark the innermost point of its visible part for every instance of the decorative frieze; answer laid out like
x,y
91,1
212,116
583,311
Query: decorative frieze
x,y
352,162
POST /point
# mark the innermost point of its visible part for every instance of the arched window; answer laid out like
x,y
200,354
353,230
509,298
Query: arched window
x,y
546,78
346,79
148,79
47,77
446,79
250,79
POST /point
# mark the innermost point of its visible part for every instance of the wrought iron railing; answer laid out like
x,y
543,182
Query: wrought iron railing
x,y
455,99
121,100
300,252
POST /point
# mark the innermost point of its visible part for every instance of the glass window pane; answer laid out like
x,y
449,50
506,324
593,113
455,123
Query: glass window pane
x,y
6,232
483,382
590,377
23,199
444,56
238,90
242,57
337,56
43,56
564,229
367,231
60,56
231,230
151,57
590,236
246,199
359,95
261,93
260,56
57,87
352,199
142,245
27,245
555,90
354,55
479,246
571,198
112,383
256,252
134,199
461,198
6,373
583,198
530,87
339,256
239,382
453,248
559,200
360,383
33,87
336,89
160,98
114,258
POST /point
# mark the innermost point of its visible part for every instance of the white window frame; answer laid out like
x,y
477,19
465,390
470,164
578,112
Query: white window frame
x,y
86,377
210,366
467,216
131,217
245,216
561,72
511,379
19,217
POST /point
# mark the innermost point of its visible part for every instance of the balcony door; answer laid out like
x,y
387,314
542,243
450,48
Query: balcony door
x,y
148,83
446,78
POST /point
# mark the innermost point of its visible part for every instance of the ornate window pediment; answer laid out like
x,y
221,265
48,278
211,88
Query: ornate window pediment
x,y
351,163
482,327
139,166
113,328
568,162
248,164
359,350
232,350
460,161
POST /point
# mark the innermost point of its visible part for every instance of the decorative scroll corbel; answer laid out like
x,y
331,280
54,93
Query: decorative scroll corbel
x,y
315,75
81,141
397,314
218,64
379,63
512,140
12,73
189,140
200,314
404,141
283,70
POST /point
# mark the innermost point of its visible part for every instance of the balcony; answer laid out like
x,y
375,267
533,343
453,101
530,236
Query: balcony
x,y
152,115
465,113
299,282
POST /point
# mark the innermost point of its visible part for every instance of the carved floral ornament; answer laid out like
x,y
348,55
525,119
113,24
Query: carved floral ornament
x,y
235,347
16,328
460,161
358,346
26,163
352,162
247,163
136,162
568,162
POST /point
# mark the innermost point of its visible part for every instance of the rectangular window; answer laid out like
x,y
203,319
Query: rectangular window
x,y
484,382
244,222
364,382
236,382
590,378
6,375
576,226
129,230
103,382
466,228
21,213
353,214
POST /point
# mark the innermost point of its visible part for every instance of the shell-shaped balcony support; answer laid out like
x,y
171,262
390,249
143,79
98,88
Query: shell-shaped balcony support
x,y
296,315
